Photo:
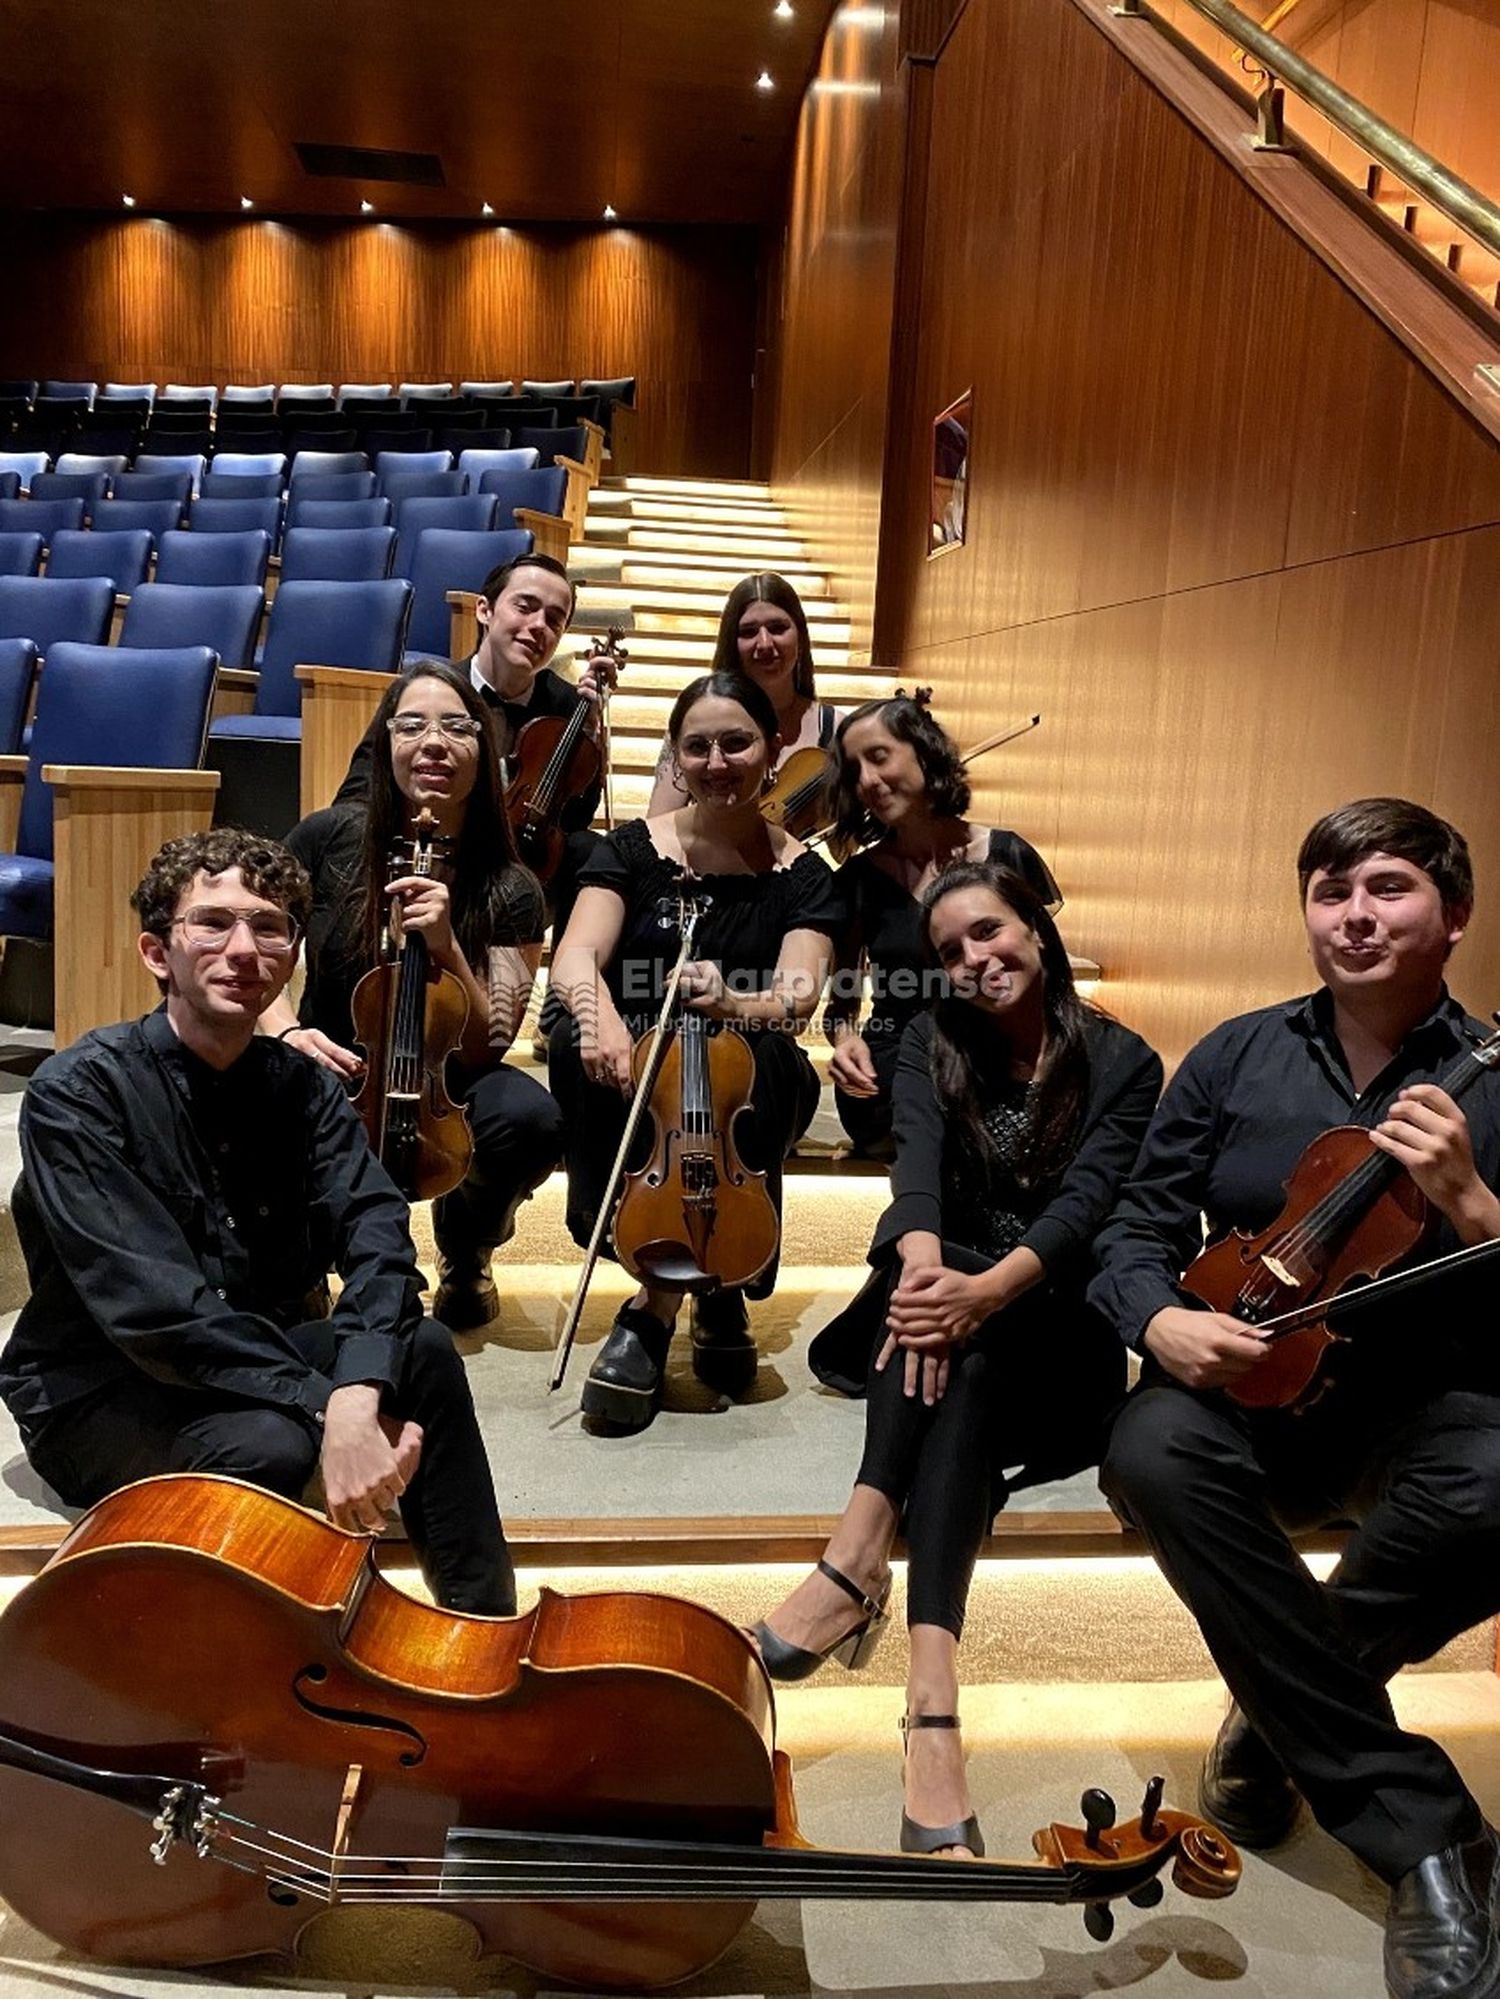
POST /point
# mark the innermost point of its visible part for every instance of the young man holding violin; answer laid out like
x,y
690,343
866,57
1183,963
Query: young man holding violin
x,y
186,1187
1404,1439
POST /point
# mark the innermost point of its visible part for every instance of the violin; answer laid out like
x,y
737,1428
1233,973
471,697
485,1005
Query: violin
x,y
409,1017
218,1720
555,760
1351,1211
800,796
694,1217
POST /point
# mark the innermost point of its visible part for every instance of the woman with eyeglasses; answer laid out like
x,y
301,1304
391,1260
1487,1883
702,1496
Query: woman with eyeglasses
x,y
899,777
763,952
1019,1110
482,917
762,635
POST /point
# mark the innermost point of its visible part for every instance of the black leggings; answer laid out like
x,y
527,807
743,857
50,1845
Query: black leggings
x,y
783,1099
141,1427
518,1140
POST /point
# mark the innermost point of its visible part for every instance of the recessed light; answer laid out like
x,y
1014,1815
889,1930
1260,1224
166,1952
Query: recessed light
x,y
128,199
784,10
764,81
485,209
246,202
367,208
609,211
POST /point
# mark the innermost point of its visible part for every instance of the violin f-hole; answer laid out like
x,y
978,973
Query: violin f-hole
x,y
356,1717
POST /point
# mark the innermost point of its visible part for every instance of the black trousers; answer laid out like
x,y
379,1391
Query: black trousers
x,y
1214,1490
140,1427
784,1097
867,1120
518,1141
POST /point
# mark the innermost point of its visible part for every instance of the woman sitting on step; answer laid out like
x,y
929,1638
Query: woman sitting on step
x,y
1018,1113
900,776
763,954
762,635
482,916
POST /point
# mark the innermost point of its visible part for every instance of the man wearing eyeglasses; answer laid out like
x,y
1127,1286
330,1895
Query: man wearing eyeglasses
x,y
186,1187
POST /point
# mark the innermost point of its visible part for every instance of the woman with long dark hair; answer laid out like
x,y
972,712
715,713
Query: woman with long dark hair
x,y
1018,1113
762,636
764,948
900,785
482,916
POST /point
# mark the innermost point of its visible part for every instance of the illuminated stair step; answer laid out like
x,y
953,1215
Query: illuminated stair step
x,y
685,597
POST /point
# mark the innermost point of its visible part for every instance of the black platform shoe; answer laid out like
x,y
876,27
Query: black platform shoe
x,y
724,1354
624,1384
1244,1789
1441,1937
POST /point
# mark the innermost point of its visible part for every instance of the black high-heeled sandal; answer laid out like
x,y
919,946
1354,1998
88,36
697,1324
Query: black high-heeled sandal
x,y
933,1838
795,1662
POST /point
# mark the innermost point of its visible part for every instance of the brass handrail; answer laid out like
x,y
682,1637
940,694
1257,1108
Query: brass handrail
x,y
1463,205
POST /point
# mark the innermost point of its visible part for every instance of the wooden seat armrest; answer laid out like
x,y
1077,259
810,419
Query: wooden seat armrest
x,y
245,677
118,777
572,465
351,678
549,532
12,784
14,769
338,705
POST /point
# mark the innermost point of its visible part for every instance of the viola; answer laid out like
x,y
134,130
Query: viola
x,y
694,1217
218,1720
409,1017
1351,1212
555,760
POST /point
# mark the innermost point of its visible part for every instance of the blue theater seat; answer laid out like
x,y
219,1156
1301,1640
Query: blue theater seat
x,y
10,485
26,464
478,464
43,517
52,610
248,464
225,619
315,464
305,513
542,490
191,462
336,555
320,624
471,513
155,516
214,559
20,554
176,486
123,556
422,485
235,516
447,559
240,486
410,464
97,705
18,659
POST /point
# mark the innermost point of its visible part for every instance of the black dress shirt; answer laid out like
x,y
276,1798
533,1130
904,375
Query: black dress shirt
x,y
548,694
176,1218
1247,1101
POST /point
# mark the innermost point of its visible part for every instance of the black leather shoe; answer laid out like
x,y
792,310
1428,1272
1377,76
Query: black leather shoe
x,y
1440,1928
724,1354
624,1384
466,1297
1244,1789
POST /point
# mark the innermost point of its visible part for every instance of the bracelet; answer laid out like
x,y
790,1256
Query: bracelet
x,y
293,1029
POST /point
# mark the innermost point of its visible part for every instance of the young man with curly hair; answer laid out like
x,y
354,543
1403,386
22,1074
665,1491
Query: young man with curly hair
x,y
186,1188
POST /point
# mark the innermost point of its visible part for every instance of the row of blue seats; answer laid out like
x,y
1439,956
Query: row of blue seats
x,y
53,609
166,471
207,396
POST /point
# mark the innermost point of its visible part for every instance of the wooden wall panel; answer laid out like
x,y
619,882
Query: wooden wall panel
x,y
142,298
831,329
1231,540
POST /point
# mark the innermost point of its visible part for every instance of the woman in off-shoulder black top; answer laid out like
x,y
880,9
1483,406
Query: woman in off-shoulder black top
x,y
900,776
763,951
1018,1115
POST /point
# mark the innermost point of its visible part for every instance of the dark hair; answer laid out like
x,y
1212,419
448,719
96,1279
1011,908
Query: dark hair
x,y
497,579
266,869
733,686
766,587
963,1048
909,720
1343,838
490,888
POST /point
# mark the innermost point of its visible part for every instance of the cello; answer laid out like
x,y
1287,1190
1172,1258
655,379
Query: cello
x,y
694,1216
1351,1212
218,1719
555,760
410,1019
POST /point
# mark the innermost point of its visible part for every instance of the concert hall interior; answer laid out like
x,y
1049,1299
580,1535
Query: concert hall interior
x,y
1094,367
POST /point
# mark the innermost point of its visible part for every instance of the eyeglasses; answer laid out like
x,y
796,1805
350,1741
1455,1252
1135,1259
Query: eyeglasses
x,y
452,728
733,743
208,928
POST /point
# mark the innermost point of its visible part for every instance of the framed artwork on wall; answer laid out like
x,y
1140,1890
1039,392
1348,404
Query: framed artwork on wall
x,y
947,512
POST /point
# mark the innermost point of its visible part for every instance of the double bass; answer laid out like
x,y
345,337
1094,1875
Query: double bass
x,y
694,1217
218,1721
410,1017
